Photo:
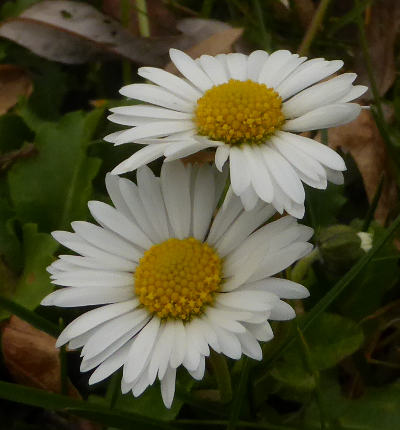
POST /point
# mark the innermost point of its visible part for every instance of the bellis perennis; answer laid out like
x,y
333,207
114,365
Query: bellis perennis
x,y
250,109
171,280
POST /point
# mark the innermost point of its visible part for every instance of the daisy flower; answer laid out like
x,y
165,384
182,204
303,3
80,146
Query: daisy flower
x,y
173,282
248,108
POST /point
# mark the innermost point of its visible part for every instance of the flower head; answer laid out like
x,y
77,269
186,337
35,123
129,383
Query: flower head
x,y
172,280
249,108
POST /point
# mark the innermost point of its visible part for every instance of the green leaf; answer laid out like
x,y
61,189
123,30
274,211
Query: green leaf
x,y
13,133
53,188
377,409
14,8
34,283
51,401
10,247
330,340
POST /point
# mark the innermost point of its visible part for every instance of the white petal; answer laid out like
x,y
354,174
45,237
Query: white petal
x,y
188,67
279,65
175,186
318,95
150,193
153,112
276,262
354,93
324,117
140,158
240,176
282,312
334,176
111,365
140,350
199,372
113,190
306,74
203,202
247,300
171,82
70,297
283,288
93,263
284,174
160,355
249,198
260,178
108,240
225,319
131,322
229,343
93,318
157,96
237,66
309,166
155,129
93,278
209,334
221,155
250,346
168,387
260,331
113,220
130,194
179,347
255,62
320,152
214,69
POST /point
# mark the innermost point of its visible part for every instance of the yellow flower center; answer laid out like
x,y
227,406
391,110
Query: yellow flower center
x,y
239,112
178,278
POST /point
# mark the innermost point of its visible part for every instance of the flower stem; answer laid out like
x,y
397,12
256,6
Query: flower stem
x,y
143,18
313,28
221,371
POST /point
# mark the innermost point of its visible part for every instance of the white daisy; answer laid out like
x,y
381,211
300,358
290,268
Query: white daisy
x,y
249,108
173,281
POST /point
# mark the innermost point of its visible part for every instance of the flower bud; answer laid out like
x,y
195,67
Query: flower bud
x,y
340,248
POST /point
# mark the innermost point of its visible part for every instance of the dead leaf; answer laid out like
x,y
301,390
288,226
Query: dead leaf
x,y
73,32
199,29
162,21
31,357
219,43
14,83
382,30
361,138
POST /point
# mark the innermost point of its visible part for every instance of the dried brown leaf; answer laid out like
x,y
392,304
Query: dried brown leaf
x,y
382,28
31,357
219,43
362,140
73,32
14,83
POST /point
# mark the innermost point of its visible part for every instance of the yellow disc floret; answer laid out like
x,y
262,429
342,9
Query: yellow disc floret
x,y
239,112
178,278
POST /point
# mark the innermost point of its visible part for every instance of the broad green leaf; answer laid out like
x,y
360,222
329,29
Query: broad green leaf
x,y
377,409
34,283
52,189
330,340
13,133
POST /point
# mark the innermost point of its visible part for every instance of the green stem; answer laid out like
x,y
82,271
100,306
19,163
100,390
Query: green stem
x,y
313,28
373,205
143,18
239,396
218,362
265,35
